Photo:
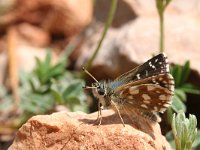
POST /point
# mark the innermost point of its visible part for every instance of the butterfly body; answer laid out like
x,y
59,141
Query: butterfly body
x,y
145,90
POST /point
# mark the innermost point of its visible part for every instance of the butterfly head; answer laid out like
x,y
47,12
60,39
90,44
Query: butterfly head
x,y
98,88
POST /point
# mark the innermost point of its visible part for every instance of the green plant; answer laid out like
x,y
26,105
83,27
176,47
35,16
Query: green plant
x,y
44,72
184,135
69,92
181,74
45,87
161,6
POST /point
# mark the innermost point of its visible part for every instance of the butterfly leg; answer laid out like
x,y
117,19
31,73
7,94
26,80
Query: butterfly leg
x,y
118,113
100,113
99,117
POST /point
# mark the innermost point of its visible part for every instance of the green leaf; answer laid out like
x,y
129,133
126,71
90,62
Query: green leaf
x,y
45,72
181,94
36,103
177,104
43,68
73,90
32,85
189,88
73,101
47,61
184,130
185,72
56,70
29,107
57,96
38,62
169,114
70,91
196,144
177,75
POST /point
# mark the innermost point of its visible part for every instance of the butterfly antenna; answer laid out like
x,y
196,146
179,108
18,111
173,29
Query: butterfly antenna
x,y
89,87
90,74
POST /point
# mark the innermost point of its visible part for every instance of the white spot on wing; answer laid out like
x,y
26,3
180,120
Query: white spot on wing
x,y
146,96
144,106
146,102
166,105
150,87
146,72
162,110
166,60
162,97
154,81
167,67
130,102
172,88
165,82
138,76
133,90
155,108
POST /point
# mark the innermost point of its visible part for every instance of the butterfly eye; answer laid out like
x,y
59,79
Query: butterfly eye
x,y
100,92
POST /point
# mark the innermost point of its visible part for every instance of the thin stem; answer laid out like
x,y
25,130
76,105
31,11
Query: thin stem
x,y
161,6
161,16
107,25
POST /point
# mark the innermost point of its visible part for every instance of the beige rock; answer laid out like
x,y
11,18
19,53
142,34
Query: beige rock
x,y
33,35
60,19
67,130
124,12
39,25
182,7
137,40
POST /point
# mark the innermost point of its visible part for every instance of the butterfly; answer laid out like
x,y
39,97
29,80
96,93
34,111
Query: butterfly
x,y
146,90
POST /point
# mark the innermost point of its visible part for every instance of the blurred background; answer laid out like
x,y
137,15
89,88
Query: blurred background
x,y
44,44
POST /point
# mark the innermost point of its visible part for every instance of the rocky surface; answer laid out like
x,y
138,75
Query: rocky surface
x,y
39,25
56,16
67,130
136,40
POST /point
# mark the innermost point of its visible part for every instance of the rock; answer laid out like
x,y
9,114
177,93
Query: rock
x,y
76,130
60,19
143,7
124,12
40,25
137,40
33,35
